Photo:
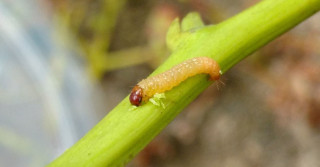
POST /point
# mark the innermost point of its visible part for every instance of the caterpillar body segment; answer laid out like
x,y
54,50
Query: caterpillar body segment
x,y
165,81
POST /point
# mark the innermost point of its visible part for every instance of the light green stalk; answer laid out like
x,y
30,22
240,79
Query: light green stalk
x,y
124,132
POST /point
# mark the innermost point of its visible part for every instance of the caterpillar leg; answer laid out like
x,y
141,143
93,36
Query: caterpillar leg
x,y
156,100
132,108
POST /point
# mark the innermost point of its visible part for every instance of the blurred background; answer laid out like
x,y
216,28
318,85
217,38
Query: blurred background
x,y
65,63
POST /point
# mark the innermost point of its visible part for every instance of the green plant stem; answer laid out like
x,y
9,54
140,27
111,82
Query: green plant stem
x,y
124,132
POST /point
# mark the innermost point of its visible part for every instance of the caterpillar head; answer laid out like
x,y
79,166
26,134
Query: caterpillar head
x,y
136,96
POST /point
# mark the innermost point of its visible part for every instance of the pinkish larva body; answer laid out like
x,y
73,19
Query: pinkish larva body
x,y
165,81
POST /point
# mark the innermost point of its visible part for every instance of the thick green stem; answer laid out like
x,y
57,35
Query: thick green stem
x,y
124,132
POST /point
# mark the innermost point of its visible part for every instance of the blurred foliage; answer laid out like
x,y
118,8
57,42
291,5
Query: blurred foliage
x,y
94,22
137,27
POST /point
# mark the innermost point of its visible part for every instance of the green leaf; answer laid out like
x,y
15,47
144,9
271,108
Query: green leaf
x,y
191,21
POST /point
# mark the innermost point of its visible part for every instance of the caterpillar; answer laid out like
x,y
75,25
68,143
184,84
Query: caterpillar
x,y
165,81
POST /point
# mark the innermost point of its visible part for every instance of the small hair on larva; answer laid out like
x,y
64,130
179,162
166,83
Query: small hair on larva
x,y
165,81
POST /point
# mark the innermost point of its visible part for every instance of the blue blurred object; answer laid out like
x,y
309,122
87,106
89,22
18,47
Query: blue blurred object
x,y
47,101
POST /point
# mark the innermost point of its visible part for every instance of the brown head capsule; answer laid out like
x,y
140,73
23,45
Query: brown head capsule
x,y
136,96
165,81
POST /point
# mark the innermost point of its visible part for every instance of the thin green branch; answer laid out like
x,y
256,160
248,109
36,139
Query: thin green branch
x,y
124,132
127,57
